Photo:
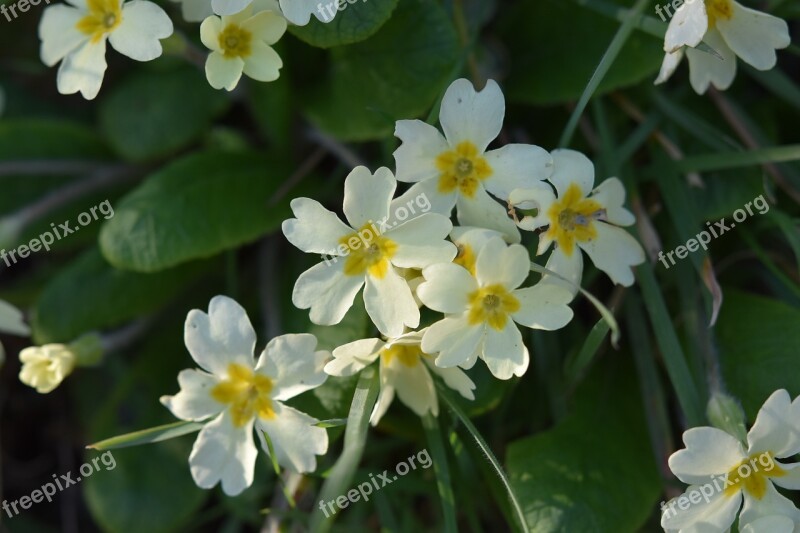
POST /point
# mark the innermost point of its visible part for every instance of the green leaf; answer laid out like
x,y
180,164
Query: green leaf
x,y
550,65
719,161
196,207
395,74
358,20
594,471
440,466
155,113
759,344
147,436
90,294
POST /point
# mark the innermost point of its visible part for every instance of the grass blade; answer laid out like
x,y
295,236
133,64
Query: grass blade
x,y
440,466
147,436
721,161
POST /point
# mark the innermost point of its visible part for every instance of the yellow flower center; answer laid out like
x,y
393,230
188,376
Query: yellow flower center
x,y
103,18
572,219
718,9
247,393
462,169
751,475
368,252
235,41
466,257
407,354
492,305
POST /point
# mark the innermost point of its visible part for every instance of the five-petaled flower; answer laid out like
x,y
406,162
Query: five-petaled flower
x,y
728,28
237,394
364,253
580,217
482,310
76,35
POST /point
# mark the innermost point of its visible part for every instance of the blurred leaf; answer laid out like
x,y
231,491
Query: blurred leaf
x,y
555,47
153,114
722,160
395,74
592,471
147,436
196,207
90,294
358,20
759,344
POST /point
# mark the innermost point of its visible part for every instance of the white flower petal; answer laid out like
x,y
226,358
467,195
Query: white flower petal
x,y
209,33
754,36
223,452
293,364
295,438
706,69
668,66
709,451
385,398
687,27
569,267
774,430
467,115
327,291
446,288
83,70
353,357
264,63
517,166
194,401
611,195
453,339
508,265
315,229
505,352
229,7
367,196
223,72
299,11
771,504
266,26
543,306
415,158
221,337
420,198
11,320
791,477
539,196
390,304
571,167
421,241
455,378
484,212
59,34
713,513
615,252
413,385
769,524
143,24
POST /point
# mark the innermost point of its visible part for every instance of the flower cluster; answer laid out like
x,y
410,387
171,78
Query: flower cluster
x,y
725,474
477,279
730,30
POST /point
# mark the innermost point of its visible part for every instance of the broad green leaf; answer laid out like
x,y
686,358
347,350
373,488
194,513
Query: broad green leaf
x,y
90,294
759,346
395,74
595,470
154,113
555,46
147,436
358,20
196,207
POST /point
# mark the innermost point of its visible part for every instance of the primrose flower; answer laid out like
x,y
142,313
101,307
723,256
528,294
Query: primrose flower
x,y
45,367
580,218
367,253
725,474
731,30
470,241
237,394
297,12
456,170
482,310
239,44
404,368
76,35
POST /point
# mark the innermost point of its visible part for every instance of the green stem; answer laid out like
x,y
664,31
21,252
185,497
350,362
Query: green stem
x,y
440,466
